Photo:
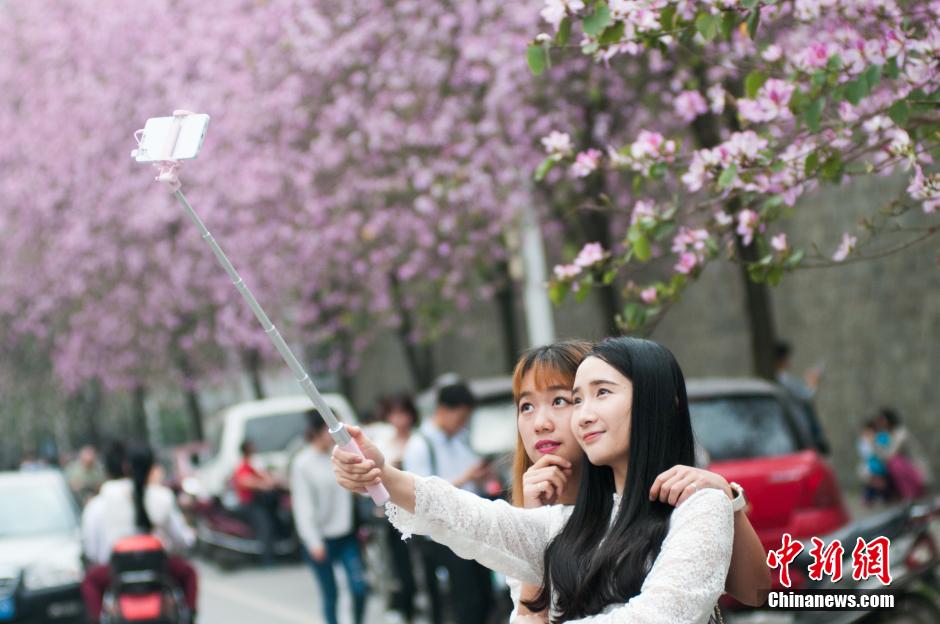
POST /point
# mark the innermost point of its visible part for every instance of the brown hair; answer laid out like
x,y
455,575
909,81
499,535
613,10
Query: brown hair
x,y
398,403
552,364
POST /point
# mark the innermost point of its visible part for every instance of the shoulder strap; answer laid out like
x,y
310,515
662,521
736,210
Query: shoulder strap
x,y
431,452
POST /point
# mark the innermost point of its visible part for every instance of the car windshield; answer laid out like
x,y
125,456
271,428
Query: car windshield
x,y
742,427
275,432
28,508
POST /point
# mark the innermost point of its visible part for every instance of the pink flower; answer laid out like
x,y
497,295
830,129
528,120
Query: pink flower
x,y
586,163
779,243
747,224
845,248
723,219
558,144
590,254
814,57
566,271
716,99
643,209
772,54
687,263
649,295
689,105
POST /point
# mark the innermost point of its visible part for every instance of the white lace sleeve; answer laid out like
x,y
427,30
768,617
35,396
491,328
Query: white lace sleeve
x,y
515,593
504,538
689,575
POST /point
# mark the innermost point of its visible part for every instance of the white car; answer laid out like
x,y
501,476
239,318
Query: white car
x,y
276,427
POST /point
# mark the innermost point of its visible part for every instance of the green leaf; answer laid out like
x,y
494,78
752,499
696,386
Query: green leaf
x,y
753,22
819,79
666,17
750,4
892,69
538,58
813,114
557,292
658,171
798,102
707,25
612,34
872,76
754,81
794,260
832,168
899,112
774,276
811,164
834,63
778,166
609,277
564,32
582,293
856,90
642,249
544,168
727,177
728,21
595,23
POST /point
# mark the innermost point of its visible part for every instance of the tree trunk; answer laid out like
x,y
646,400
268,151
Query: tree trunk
x,y
192,396
251,358
139,424
758,306
506,302
418,357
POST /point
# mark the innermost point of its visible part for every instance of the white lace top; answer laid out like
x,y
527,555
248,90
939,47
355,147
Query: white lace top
x,y
682,586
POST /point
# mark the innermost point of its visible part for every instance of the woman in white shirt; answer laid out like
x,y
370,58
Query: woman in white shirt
x,y
617,556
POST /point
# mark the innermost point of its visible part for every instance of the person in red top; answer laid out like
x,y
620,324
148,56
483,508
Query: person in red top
x,y
256,491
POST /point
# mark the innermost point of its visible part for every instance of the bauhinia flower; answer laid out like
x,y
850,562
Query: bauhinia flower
x,y
590,254
558,144
586,162
845,248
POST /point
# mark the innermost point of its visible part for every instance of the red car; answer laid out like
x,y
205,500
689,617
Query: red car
x,y
756,435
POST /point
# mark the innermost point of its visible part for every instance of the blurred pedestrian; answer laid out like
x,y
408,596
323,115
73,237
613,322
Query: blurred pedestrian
x,y
85,474
30,462
325,520
441,447
803,390
257,495
399,411
872,470
906,466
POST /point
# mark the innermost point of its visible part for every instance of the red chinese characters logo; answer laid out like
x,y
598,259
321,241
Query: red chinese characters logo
x,y
783,557
826,561
871,559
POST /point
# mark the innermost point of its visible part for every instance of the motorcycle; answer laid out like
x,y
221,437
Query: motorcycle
x,y
225,534
142,591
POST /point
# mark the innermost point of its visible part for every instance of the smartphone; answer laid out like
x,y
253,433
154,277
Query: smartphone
x,y
152,143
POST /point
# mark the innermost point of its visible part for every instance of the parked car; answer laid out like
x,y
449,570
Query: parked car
x,y
754,435
40,549
275,425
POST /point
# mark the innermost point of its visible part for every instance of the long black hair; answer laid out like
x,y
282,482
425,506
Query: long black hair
x,y
140,465
584,575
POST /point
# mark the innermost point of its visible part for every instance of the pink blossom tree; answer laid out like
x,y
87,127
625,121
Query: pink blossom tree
x,y
743,109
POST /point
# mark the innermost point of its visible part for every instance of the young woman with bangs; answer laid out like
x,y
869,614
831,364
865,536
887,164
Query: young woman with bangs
x,y
620,553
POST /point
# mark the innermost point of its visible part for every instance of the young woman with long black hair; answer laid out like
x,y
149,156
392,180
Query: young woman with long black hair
x,y
618,556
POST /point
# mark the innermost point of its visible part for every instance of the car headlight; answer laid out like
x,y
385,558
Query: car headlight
x,y
49,574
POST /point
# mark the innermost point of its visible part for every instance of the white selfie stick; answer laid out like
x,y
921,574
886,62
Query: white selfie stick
x,y
169,174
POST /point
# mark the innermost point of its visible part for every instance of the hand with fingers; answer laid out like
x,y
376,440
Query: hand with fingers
x,y
545,482
680,482
355,472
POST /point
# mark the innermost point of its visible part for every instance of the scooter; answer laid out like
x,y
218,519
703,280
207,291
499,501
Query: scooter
x,y
142,590
226,536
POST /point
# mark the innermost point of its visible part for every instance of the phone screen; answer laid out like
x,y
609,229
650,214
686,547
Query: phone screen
x,y
154,137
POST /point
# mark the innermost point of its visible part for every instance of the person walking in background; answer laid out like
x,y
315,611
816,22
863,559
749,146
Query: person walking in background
x,y
872,470
257,494
896,447
399,411
802,390
440,447
84,474
325,520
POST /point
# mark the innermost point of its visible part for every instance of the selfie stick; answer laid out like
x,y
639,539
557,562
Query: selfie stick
x,y
169,175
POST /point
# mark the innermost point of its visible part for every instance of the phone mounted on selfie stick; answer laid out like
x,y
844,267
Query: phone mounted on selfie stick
x,y
164,142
